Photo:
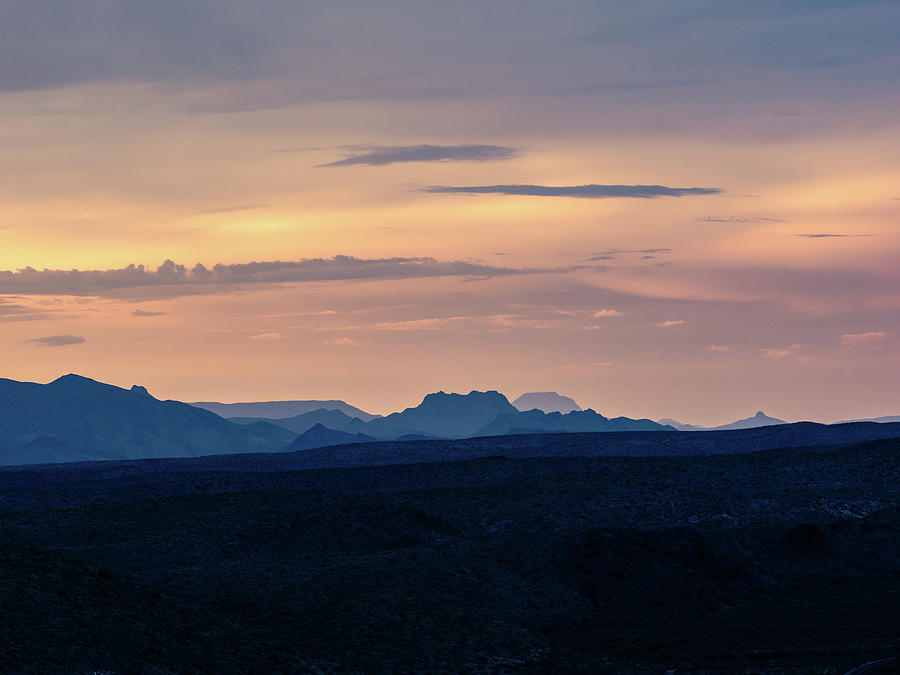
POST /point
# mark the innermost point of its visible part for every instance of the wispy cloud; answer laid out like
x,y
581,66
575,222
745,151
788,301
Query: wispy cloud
x,y
11,311
230,209
591,191
613,253
267,336
670,323
58,340
181,280
342,342
797,349
870,338
382,155
601,313
822,235
739,219
468,323
143,312
719,348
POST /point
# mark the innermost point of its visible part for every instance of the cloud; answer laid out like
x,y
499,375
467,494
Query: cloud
x,y
825,236
775,352
342,342
797,349
10,311
142,312
670,323
230,51
612,253
739,219
394,154
469,323
871,338
579,191
607,312
179,280
719,348
58,340
230,209
267,336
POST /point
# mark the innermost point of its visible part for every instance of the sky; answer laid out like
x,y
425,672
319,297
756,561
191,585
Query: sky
x,y
661,209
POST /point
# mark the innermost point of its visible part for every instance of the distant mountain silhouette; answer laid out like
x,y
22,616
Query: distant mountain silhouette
x,y
760,419
320,436
280,409
535,421
547,401
75,418
680,426
333,419
888,419
444,415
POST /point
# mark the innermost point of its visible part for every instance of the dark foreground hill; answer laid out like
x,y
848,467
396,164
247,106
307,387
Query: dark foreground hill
x,y
76,418
524,446
781,561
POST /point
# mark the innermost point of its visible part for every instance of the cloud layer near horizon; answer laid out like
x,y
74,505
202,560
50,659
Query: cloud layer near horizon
x,y
581,191
183,280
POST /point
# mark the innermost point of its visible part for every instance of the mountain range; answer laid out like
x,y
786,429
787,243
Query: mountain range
x,y
451,416
280,409
760,419
75,418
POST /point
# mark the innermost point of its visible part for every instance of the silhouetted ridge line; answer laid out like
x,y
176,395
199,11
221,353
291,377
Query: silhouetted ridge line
x,y
76,418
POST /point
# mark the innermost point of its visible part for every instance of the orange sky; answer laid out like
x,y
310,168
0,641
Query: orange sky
x,y
702,307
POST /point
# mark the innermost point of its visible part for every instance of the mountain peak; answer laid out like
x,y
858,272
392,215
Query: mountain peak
x,y
448,415
760,413
71,377
138,389
474,395
547,401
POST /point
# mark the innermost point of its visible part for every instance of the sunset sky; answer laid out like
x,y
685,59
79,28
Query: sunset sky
x,y
684,209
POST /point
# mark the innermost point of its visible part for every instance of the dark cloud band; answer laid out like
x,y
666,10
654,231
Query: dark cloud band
x,y
180,280
581,191
825,235
383,155
58,340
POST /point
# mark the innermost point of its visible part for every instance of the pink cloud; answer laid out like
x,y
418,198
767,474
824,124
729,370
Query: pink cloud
x,y
267,336
871,338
